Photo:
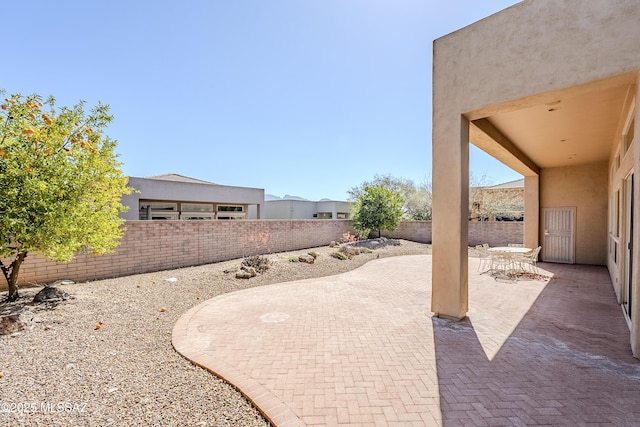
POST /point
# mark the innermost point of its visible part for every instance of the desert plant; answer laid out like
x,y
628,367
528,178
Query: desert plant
x,y
349,251
339,255
293,258
315,255
60,183
348,237
378,208
260,262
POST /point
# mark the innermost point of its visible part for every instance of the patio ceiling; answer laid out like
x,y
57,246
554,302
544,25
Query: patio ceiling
x,y
568,127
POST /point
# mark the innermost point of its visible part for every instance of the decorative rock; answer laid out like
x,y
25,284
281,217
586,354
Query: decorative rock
x,y
15,322
243,275
306,258
246,272
50,293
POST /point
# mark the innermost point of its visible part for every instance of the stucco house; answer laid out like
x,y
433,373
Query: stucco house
x,y
550,88
500,202
291,207
177,197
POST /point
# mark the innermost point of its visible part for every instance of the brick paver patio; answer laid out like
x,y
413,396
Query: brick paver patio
x,y
362,348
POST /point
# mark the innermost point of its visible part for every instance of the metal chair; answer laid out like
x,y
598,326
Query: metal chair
x,y
530,260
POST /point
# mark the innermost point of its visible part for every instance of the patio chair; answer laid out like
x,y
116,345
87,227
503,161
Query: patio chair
x,y
529,261
485,257
502,263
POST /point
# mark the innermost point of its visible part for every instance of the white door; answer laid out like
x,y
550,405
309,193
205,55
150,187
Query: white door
x,y
559,235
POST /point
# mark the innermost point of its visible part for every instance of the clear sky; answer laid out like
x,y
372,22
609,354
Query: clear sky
x,y
299,97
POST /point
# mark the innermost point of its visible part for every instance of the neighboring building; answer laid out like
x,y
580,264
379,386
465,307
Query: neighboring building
x,y
174,197
292,207
551,89
501,202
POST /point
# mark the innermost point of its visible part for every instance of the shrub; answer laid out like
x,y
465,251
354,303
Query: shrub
x,y
313,254
349,251
348,237
339,255
260,262
293,258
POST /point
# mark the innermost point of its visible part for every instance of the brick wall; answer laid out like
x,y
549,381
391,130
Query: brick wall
x,y
496,233
161,245
416,231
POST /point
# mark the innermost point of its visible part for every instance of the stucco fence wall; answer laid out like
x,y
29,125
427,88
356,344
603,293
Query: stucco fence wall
x,y
149,246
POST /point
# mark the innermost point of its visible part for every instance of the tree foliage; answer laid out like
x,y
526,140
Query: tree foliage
x,y
417,197
60,183
377,208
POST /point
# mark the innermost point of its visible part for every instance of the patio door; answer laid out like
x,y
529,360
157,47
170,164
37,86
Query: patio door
x,y
559,235
628,245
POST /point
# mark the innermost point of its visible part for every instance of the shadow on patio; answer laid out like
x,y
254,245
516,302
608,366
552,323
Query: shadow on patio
x,y
545,354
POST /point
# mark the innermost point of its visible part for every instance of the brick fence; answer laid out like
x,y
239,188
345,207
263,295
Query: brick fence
x,y
496,233
161,245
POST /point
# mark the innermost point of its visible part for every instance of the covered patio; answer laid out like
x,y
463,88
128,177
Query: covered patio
x,y
361,349
550,89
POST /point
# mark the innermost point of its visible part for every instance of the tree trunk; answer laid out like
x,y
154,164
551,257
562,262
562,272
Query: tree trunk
x,y
11,275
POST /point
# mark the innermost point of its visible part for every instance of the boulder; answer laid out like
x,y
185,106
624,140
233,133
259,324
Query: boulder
x,y
309,259
50,293
15,322
246,272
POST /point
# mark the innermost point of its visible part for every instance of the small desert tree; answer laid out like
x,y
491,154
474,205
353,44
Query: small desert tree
x,y
377,208
417,197
60,183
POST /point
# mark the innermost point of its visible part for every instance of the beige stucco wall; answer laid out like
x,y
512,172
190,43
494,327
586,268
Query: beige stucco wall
x,y
534,47
585,188
528,54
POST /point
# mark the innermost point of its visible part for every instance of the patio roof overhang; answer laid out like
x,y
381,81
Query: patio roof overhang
x,y
568,127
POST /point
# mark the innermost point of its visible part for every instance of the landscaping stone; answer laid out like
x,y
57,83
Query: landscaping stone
x,y
15,322
306,258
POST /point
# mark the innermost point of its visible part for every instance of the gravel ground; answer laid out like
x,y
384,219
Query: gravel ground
x,y
104,356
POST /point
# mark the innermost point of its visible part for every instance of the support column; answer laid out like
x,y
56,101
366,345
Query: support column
x,y
532,211
450,225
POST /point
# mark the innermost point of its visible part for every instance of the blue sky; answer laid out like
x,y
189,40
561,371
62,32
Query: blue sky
x,y
300,97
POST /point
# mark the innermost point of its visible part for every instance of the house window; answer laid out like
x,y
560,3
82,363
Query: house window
x,y
197,211
325,215
158,210
231,212
343,215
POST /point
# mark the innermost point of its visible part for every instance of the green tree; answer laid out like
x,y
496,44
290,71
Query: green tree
x,y
417,197
60,183
378,208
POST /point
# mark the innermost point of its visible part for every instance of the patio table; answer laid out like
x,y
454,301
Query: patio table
x,y
504,259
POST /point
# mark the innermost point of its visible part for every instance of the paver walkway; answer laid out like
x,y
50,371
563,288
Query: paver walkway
x,y
362,348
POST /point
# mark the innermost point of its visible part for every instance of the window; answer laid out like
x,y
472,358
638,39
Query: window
x,y
231,212
158,210
325,215
197,211
230,208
